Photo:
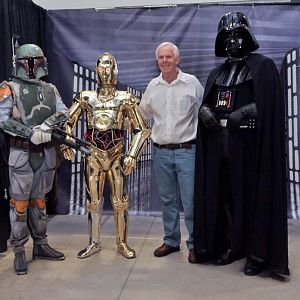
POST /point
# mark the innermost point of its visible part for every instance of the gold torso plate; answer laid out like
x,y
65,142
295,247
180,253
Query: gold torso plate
x,y
105,112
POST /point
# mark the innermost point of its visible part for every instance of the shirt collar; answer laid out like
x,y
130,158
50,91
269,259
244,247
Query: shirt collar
x,y
180,77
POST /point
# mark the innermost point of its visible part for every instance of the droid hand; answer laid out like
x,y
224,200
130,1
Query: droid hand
x,y
67,152
129,164
208,118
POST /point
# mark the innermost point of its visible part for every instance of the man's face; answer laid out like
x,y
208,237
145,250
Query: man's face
x,y
166,60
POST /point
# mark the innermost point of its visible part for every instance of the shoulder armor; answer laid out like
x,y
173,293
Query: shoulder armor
x,y
131,99
84,96
5,90
81,97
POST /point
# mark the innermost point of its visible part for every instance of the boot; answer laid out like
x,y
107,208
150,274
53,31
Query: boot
x,y
126,251
44,251
20,264
89,250
94,245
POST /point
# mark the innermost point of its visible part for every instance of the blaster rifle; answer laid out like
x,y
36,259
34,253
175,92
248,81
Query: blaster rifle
x,y
76,143
16,128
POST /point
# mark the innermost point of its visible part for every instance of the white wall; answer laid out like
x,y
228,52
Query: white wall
x,y
75,4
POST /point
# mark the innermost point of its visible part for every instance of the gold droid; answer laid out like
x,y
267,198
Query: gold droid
x,y
106,111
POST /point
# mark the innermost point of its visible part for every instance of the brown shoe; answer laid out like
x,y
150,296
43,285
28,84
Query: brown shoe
x,y
164,250
192,257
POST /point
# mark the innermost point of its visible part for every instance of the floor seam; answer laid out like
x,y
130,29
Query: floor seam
x,y
138,254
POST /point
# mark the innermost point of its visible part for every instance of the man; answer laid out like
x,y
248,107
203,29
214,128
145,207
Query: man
x,y
172,100
28,101
107,111
240,195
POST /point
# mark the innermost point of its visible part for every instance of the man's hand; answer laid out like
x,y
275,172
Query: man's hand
x,y
128,165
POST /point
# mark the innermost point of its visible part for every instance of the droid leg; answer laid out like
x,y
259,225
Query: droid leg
x,y
95,185
120,203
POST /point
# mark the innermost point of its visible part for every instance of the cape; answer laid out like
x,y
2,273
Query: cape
x,y
268,235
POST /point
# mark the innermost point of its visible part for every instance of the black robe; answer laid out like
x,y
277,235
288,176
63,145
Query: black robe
x,y
4,201
266,231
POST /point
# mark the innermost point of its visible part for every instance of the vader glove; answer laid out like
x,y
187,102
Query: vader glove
x,y
208,118
244,113
39,136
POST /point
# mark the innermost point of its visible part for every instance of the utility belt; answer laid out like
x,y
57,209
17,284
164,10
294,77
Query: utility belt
x,y
249,124
22,143
186,145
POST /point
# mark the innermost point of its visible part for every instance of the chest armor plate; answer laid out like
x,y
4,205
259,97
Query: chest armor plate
x,y
105,113
234,74
35,102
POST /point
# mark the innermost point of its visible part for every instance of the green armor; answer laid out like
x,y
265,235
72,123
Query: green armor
x,y
35,101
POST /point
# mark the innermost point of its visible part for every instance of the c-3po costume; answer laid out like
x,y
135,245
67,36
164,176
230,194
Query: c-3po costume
x,y
106,111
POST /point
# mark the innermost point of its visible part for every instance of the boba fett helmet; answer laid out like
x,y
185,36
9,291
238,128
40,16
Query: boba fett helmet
x,y
29,62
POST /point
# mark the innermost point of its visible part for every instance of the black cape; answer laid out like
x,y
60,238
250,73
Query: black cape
x,y
268,228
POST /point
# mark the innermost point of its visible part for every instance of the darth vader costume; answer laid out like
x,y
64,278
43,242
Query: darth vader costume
x,y
240,189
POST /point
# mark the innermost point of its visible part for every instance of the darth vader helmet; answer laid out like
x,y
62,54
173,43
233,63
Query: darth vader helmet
x,y
29,62
234,38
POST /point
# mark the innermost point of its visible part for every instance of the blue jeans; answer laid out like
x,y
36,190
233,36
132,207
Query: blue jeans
x,y
173,169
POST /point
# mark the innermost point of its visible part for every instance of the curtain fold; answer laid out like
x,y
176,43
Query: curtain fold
x,y
21,17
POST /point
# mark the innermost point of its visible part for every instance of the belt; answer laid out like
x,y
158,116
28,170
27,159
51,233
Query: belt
x,y
186,145
27,145
250,124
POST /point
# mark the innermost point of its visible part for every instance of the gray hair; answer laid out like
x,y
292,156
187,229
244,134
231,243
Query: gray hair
x,y
175,49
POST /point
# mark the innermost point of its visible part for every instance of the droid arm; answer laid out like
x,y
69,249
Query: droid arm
x,y
75,112
140,132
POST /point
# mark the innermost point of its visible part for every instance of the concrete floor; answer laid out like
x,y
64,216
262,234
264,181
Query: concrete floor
x,y
108,275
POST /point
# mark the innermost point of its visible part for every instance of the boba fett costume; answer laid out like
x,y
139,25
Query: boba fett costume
x,y
32,160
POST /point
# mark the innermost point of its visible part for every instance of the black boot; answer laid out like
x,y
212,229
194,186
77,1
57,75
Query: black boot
x,y
229,257
20,264
44,251
254,267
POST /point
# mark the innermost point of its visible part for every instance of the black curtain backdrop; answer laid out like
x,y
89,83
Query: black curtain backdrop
x,y
26,19
4,207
